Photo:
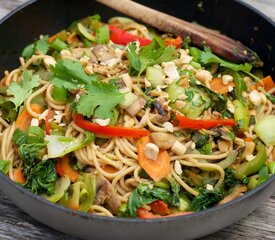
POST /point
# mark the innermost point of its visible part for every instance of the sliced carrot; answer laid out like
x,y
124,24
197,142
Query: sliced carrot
x,y
156,169
267,83
217,85
159,207
52,38
47,121
109,168
18,175
23,121
64,168
248,139
184,82
72,38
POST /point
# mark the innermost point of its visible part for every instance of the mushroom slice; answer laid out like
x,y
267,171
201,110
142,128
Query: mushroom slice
x,y
163,140
103,53
106,194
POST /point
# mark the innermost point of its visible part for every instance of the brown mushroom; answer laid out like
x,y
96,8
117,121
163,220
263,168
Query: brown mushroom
x,y
163,140
79,52
103,53
106,194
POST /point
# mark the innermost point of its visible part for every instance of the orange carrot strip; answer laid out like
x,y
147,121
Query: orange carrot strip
x,y
52,38
23,121
18,175
217,85
267,83
66,169
156,169
109,168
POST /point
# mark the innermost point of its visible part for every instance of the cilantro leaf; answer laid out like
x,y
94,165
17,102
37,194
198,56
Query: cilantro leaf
x,y
100,100
154,53
208,57
70,75
42,45
22,90
133,57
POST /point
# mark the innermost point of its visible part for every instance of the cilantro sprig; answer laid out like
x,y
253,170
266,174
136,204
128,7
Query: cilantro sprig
x,y
100,100
207,57
40,45
22,90
154,53
70,75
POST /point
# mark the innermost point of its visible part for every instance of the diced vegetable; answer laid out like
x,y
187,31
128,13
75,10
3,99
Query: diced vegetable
x,y
271,167
119,36
241,115
86,32
155,76
61,186
64,168
265,129
156,169
176,42
102,35
59,94
58,45
23,121
159,207
59,146
189,101
129,98
267,82
229,160
18,175
247,168
217,86
35,134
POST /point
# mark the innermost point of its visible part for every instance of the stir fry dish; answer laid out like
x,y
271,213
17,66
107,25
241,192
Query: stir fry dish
x,y
120,120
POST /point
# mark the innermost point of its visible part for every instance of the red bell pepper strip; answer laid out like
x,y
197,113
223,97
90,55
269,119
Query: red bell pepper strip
x,y
197,124
108,130
176,42
118,36
145,214
159,207
47,121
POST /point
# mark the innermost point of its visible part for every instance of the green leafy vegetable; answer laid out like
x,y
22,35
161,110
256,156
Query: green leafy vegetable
x,y
70,75
42,178
205,199
207,57
7,109
143,195
240,86
58,146
100,100
19,137
5,166
154,53
22,90
102,35
133,57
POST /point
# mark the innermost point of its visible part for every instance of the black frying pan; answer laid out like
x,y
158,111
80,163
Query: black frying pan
x,y
233,18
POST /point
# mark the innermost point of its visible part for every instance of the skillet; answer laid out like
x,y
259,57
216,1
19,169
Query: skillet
x,y
47,17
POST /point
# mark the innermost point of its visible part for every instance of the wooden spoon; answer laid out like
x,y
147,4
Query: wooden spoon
x,y
200,36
